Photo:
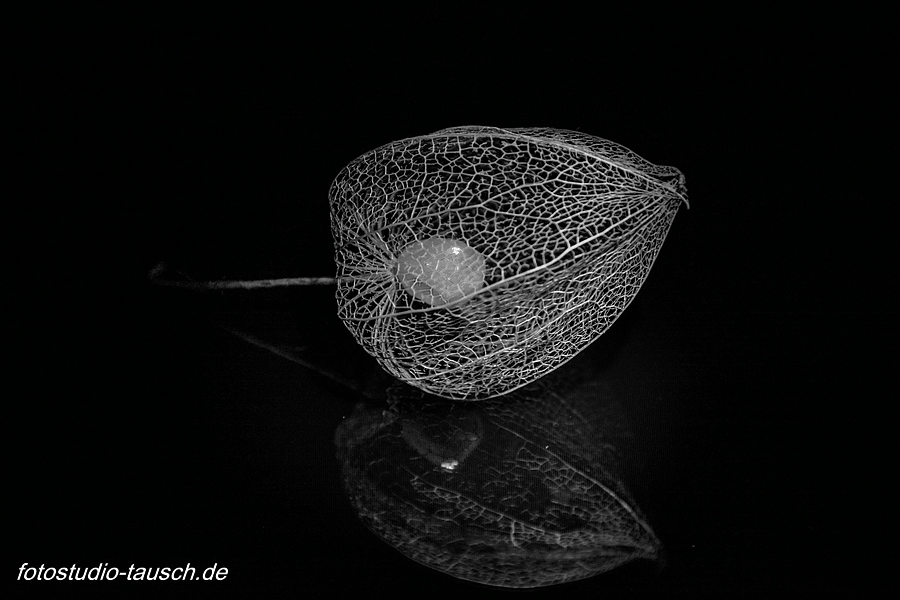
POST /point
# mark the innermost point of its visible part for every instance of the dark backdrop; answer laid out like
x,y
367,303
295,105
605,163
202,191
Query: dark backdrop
x,y
751,363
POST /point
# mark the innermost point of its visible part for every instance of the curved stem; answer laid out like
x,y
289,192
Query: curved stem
x,y
156,277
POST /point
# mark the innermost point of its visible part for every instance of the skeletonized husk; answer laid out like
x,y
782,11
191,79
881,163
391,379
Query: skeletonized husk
x,y
568,225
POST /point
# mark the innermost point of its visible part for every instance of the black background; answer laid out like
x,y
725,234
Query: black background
x,y
753,363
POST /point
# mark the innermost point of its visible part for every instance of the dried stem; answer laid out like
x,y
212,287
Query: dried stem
x,y
156,277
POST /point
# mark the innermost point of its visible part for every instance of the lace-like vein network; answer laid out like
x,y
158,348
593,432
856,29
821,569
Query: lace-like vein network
x,y
556,232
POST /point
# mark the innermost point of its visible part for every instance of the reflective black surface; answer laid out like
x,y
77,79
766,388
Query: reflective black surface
x,y
519,491
754,367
